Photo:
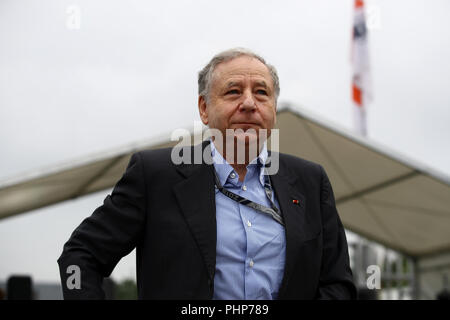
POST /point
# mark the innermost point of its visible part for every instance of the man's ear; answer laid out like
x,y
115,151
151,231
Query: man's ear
x,y
202,109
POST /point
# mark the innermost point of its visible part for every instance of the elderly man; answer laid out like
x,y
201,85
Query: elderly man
x,y
222,228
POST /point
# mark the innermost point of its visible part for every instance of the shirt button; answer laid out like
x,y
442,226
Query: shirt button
x,y
244,188
249,223
233,175
251,263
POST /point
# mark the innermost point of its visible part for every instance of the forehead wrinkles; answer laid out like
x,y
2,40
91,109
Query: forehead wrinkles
x,y
241,73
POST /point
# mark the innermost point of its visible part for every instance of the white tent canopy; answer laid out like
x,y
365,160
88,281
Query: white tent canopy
x,y
380,195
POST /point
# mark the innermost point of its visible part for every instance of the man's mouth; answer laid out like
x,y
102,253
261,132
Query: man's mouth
x,y
246,124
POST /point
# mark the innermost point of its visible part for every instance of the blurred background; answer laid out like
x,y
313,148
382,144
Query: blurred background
x,y
81,78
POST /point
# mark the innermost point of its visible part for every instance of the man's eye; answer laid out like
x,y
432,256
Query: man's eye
x,y
260,91
234,91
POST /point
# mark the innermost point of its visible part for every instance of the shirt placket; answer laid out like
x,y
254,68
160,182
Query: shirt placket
x,y
248,217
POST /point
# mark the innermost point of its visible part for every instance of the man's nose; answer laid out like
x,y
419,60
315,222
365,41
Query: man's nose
x,y
249,103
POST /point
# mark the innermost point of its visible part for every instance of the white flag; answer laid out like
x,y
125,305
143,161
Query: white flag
x,y
361,83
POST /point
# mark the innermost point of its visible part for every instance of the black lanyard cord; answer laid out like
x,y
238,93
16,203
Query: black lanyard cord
x,y
273,211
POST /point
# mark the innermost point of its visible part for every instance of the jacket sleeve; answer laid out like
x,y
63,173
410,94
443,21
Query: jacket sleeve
x,y
336,279
101,240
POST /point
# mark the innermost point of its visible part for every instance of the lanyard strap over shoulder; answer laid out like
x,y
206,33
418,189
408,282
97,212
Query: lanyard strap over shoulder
x,y
273,211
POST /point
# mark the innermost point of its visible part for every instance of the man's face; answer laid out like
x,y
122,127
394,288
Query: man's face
x,y
241,97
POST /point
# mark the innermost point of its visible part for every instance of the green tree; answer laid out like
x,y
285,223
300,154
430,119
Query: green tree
x,y
126,290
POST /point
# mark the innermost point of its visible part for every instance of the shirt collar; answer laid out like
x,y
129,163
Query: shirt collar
x,y
223,168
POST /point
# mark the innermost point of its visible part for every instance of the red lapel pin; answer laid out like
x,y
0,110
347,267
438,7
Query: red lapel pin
x,y
295,201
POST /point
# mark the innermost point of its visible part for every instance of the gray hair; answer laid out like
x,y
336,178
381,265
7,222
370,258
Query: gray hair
x,y
205,75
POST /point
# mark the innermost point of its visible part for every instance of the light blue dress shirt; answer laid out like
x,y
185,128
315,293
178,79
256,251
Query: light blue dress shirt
x,y
251,246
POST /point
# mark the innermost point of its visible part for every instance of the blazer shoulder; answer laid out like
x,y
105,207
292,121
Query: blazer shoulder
x,y
154,159
154,154
168,158
309,172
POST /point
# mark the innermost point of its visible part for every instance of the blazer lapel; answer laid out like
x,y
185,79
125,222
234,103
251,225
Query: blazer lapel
x,y
195,195
296,223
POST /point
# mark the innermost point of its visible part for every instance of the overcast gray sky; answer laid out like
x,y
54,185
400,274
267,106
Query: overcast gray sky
x,y
129,73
